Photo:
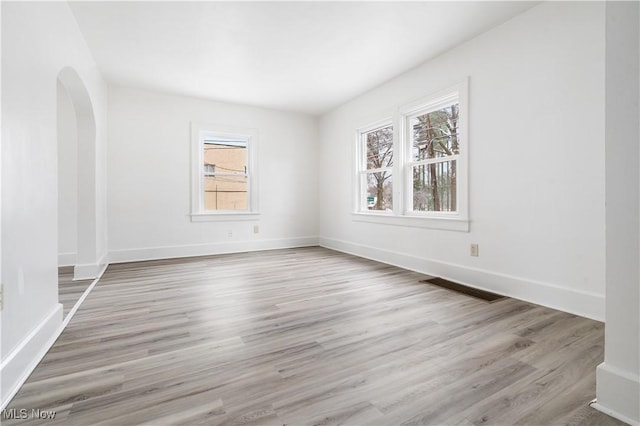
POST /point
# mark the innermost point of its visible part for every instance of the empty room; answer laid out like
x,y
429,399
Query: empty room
x,y
308,212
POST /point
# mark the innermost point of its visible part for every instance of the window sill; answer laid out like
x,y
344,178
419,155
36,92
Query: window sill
x,y
224,217
442,223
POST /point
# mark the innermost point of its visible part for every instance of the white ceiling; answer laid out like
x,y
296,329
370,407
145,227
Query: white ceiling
x,y
302,56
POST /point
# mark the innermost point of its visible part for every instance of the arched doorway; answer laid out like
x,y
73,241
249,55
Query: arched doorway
x,y
76,176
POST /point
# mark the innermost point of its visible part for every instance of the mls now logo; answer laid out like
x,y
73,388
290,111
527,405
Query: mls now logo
x,y
23,413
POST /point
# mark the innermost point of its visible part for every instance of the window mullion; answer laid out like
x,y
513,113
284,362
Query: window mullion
x,y
407,168
398,164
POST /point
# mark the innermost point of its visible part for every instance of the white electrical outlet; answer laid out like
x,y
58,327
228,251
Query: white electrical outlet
x,y
474,249
256,229
230,233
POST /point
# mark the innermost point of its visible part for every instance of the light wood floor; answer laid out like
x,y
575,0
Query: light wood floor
x,y
310,336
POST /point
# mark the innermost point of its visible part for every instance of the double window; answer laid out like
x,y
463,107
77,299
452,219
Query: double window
x,y
223,171
412,167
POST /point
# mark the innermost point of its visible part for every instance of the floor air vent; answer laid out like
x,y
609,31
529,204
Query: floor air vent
x,y
469,291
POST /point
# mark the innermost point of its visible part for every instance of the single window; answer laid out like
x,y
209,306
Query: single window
x,y
376,169
224,170
225,173
435,148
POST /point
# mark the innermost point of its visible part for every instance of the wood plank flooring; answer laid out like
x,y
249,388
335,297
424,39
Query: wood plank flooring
x,y
309,336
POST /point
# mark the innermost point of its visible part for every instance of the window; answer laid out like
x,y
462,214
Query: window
x,y
223,171
376,168
433,141
428,157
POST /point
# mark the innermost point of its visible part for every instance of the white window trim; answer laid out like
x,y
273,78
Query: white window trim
x,y
198,213
403,214
412,221
434,102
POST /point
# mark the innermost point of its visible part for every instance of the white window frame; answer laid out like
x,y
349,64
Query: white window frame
x,y
403,213
200,131
361,167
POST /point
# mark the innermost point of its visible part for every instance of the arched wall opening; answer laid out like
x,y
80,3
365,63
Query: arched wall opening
x,y
67,179
76,176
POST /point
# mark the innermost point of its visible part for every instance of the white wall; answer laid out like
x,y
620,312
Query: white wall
x,y
149,178
67,179
536,162
619,375
38,40
1,138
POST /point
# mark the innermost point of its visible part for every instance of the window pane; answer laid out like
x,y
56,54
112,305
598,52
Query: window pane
x,y
225,174
225,157
434,187
379,191
225,193
379,148
435,134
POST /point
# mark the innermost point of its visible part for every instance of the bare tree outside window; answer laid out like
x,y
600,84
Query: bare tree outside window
x,y
378,183
412,167
435,150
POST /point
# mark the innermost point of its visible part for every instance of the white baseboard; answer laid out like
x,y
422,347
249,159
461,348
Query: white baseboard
x,y
67,259
169,252
23,359
618,394
88,272
586,304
